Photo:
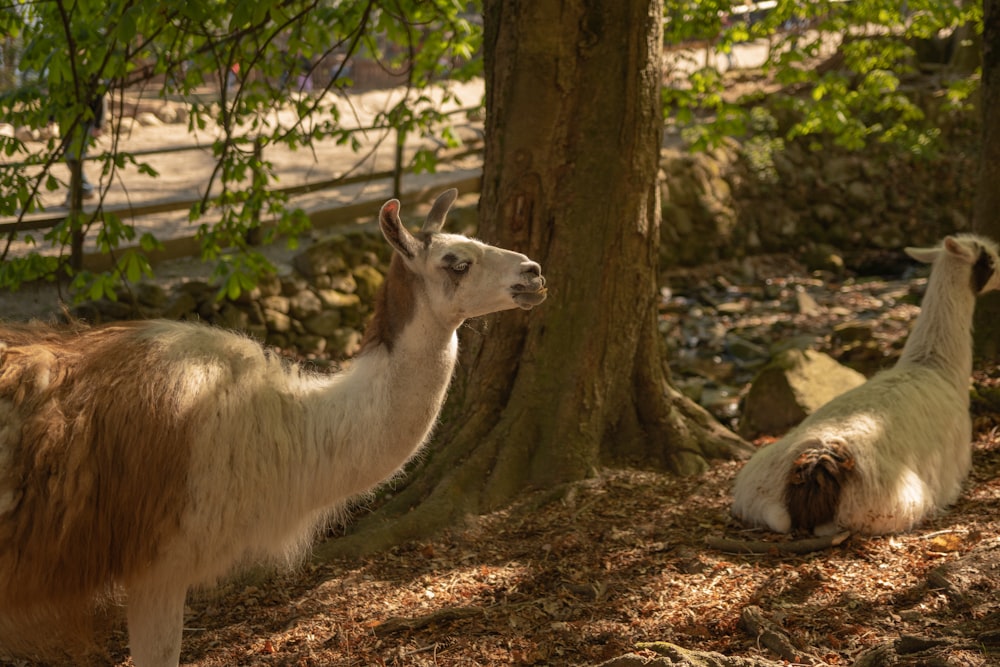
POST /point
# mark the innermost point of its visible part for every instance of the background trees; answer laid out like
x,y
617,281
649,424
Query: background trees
x,y
986,215
248,55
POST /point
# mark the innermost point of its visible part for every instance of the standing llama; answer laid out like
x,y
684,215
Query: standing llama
x,y
884,455
154,456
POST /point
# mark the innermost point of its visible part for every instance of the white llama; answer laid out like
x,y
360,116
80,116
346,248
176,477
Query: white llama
x,y
154,456
884,455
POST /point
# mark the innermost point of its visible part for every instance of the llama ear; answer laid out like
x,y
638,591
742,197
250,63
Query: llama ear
x,y
435,219
967,251
925,255
394,231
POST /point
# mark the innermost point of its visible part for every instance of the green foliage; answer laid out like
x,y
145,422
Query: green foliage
x,y
70,51
859,96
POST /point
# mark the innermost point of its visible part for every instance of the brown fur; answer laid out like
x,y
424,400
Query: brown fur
x,y
982,270
93,494
814,484
394,307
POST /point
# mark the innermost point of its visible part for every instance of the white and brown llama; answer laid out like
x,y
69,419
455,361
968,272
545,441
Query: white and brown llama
x,y
150,457
883,456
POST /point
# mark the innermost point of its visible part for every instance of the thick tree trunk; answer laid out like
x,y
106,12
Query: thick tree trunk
x,y
986,211
572,156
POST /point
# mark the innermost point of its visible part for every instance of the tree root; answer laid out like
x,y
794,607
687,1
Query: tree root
x,y
804,546
770,635
676,656
907,651
403,623
912,651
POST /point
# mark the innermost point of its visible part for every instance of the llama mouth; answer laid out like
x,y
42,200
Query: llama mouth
x,y
529,299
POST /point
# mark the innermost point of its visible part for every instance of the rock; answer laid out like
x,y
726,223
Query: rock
x,y
745,352
208,309
304,305
278,340
182,303
293,284
792,387
324,324
823,257
279,304
346,340
277,322
26,134
233,317
310,344
167,114
148,119
343,282
806,305
257,331
332,298
151,294
854,332
269,285
112,311
723,402
732,307
369,280
323,257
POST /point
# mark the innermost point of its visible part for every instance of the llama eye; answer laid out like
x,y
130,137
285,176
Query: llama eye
x,y
460,267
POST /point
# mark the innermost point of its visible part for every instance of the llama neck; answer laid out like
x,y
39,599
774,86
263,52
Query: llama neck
x,y
942,335
364,424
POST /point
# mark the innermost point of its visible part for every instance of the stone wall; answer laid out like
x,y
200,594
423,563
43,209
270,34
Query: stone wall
x,y
318,306
737,201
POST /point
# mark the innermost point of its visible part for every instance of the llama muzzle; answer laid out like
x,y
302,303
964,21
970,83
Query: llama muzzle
x,y
529,295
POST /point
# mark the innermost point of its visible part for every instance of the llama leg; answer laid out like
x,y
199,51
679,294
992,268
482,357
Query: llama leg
x,y
155,623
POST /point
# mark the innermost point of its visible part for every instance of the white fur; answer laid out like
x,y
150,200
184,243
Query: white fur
x,y
907,429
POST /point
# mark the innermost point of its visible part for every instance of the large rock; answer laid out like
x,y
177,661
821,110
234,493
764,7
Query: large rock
x,y
791,387
322,257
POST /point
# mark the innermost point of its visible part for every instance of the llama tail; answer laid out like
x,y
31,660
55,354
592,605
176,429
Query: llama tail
x,y
815,482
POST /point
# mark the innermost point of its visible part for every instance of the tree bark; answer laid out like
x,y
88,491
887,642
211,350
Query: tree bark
x,y
985,217
546,397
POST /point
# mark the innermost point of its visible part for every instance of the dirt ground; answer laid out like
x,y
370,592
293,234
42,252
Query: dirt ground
x,y
615,564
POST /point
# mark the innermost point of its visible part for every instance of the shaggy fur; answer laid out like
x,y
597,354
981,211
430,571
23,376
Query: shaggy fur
x,y
881,457
155,456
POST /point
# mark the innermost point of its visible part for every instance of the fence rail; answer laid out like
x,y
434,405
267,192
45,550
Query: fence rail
x,y
42,221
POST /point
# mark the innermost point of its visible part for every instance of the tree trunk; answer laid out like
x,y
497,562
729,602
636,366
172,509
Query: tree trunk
x,y
985,220
572,156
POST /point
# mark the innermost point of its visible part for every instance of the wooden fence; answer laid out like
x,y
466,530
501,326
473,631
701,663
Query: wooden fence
x,y
187,245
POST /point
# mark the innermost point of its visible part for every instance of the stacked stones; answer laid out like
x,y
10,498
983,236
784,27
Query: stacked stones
x,y
317,307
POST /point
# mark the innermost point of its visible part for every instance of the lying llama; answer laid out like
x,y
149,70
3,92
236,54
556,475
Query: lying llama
x,y
154,456
881,457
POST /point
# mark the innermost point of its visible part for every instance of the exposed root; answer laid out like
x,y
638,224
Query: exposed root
x,y
803,546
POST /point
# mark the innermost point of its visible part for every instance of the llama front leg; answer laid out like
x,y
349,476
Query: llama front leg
x,y
156,623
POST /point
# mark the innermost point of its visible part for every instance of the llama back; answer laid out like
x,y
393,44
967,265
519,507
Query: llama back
x,y
111,460
74,500
869,470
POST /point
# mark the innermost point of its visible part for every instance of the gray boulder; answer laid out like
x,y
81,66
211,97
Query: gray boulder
x,y
791,387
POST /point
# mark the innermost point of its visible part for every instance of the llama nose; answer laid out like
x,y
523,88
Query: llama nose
x,y
531,267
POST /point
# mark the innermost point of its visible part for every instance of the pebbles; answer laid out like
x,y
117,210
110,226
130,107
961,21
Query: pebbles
x,y
722,327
